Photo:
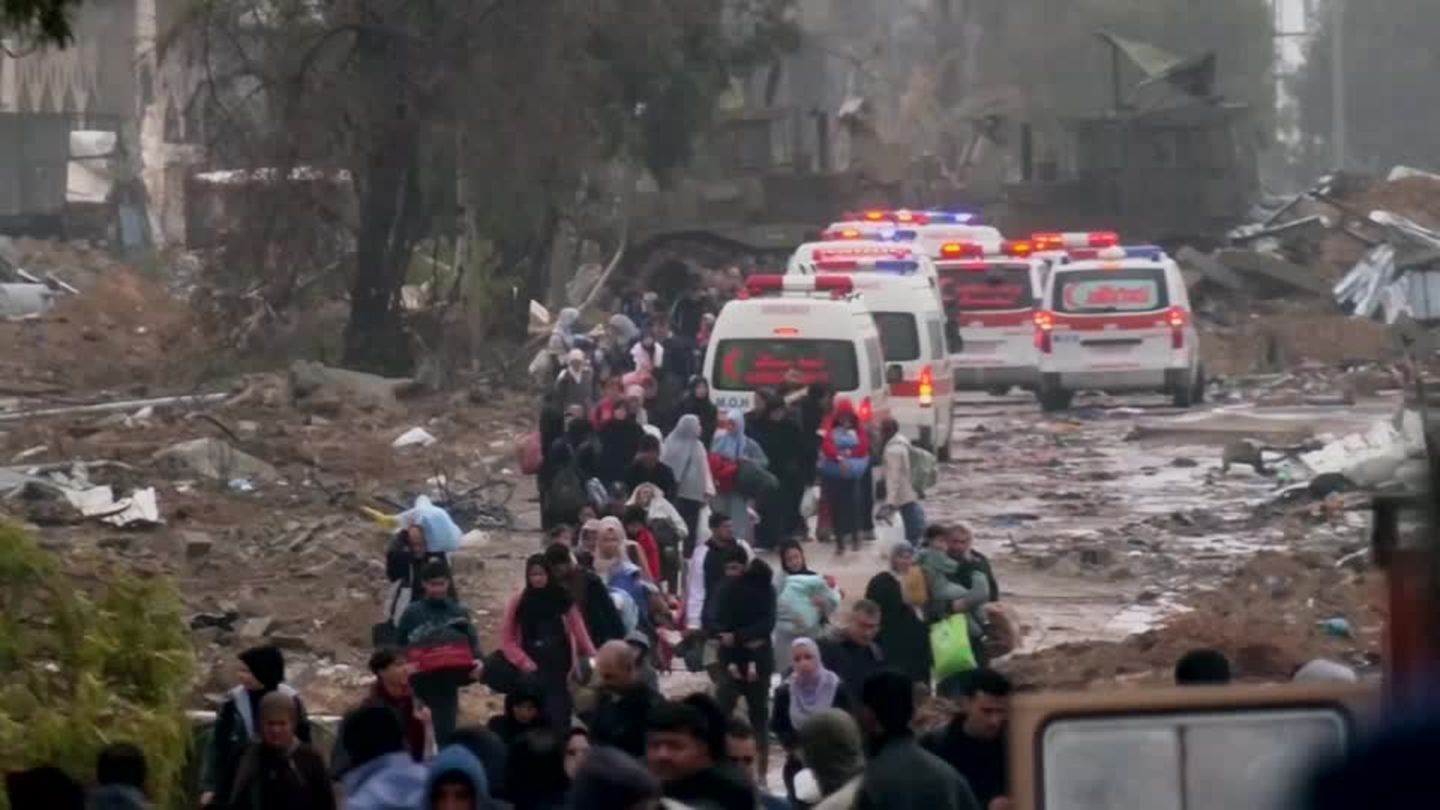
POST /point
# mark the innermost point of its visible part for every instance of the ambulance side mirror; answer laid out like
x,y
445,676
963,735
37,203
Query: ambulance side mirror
x,y
954,344
894,374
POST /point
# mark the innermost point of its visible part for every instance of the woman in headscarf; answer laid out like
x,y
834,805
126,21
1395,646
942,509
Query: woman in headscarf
x,y
564,486
833,750
261,672
567,326
809,690
779,436
589,536
575,385
618,563
697,402
619,444
524,712
684,453
844,459
648,354
900,592
585,445
733,446
544,636
804,604
279,771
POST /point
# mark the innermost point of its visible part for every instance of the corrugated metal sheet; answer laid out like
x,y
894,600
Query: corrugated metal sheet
x,y
1378,285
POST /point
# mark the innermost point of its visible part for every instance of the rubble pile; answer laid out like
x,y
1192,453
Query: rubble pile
x,y
1275,614
1268,299
263,509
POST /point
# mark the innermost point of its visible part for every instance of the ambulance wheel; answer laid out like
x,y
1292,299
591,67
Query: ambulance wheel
x,y
1199,386
942,453
1185,396
1055,399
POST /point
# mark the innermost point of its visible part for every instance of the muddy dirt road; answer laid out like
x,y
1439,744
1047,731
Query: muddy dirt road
x,y
1102,520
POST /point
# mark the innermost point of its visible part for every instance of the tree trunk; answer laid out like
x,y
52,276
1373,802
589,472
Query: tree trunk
x,y
390,222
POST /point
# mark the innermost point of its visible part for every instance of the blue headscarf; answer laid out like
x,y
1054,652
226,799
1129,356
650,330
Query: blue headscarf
x,y
441,533
730,442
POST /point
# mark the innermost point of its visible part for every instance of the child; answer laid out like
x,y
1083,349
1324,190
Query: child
x,y
523,712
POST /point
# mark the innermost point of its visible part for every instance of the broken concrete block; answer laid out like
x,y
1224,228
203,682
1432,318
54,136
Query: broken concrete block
x,y
1270,268
217,460
257,627
196,544
319,385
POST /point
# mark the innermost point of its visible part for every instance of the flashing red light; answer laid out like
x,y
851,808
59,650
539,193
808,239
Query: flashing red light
x,y
1044,325
874,215
761,283
866,410
1016,247
1102,239
1084,254
927,387
961,250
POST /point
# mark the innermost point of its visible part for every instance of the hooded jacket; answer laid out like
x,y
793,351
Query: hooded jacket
x,y
392,782
457,760
943,582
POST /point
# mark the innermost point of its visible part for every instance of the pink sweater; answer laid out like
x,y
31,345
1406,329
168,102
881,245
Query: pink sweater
x,y
512,645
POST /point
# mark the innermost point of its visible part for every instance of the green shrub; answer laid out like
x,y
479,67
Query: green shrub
x,y
85,668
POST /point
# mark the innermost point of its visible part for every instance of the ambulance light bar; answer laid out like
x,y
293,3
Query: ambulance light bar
x,y
906,216
961,250
773,284
1150,253
1077,239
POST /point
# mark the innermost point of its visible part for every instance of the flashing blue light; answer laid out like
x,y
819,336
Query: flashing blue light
x,y
901,235
897,265
1152,253
952,217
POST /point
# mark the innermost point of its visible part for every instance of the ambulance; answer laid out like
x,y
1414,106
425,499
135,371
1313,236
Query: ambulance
x,y
795,330
899,287
1117,319
926,229
989,292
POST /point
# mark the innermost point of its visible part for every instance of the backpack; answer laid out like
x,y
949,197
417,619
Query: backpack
x,y
924,472
566,493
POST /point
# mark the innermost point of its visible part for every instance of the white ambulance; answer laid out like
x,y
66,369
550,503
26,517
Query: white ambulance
x,y
899,287
797,330
989,293
1117,319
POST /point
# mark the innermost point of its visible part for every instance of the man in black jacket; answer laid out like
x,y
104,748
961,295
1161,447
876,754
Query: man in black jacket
x,y
618,719
974,741
899,774
852,653
647,468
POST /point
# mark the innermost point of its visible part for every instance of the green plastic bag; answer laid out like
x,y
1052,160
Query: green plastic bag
x,y
950,646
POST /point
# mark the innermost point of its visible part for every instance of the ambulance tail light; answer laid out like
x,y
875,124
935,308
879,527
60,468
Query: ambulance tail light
x,y
866,410
1044,326
927,387
1177,319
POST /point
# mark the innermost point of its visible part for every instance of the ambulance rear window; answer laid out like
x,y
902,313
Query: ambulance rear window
x,y
996,288
749,363
899,336
1131,289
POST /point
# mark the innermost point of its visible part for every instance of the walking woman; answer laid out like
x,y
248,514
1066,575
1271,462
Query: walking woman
x,y
544,636
804,604
900,593
844,460
684,453
732,447
810,690
697,403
